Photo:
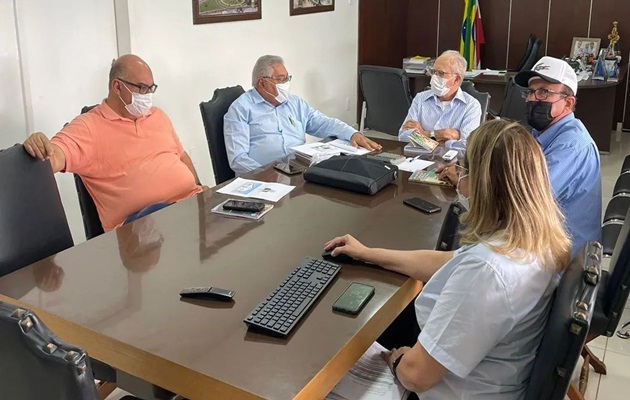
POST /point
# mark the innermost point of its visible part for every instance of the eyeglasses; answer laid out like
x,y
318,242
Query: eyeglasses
x,y
282,79
143,89
541,93
432,71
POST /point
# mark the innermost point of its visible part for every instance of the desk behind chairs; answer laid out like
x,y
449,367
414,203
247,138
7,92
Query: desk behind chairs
x,y
567,326
212,113
387,97
33,223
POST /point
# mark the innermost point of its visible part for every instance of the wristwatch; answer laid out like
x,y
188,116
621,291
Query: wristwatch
x,y
395,364
432,135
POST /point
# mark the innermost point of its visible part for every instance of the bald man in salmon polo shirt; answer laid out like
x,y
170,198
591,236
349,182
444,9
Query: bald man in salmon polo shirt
x,y
126,151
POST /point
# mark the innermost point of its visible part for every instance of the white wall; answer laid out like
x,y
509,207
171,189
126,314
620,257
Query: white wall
x,y
67,47
12,113
190,61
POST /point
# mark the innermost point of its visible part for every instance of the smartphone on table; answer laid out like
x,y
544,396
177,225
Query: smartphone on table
x,y
249,206
422,205
354,298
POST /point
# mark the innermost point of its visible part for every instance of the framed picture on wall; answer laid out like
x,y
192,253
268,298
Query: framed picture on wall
x,y
299,7
588,47
211,11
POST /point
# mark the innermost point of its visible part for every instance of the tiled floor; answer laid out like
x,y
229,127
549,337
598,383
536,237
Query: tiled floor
x,y
615,352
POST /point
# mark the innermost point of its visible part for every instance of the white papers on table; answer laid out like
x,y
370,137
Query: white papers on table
x,y
320,151
414,164
490,72
369,379
256,189
471,74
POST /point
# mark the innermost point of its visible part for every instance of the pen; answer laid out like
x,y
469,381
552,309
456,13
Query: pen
x,y
291,120
414,159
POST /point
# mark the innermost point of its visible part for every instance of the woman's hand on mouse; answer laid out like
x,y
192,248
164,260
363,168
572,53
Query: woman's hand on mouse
x,y
348,245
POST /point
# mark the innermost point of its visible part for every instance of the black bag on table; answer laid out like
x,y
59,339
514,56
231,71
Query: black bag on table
x,y
353,173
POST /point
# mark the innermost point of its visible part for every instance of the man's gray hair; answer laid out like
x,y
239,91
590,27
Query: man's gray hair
x,y
457,62
264,67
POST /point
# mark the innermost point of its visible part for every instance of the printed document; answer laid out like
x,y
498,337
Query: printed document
x,y
369,379
256,189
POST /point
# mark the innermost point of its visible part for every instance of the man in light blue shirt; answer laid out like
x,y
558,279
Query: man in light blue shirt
x,y
571,154
444,112
265,122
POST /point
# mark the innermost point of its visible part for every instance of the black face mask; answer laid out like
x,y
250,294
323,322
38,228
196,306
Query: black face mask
x,y
539,115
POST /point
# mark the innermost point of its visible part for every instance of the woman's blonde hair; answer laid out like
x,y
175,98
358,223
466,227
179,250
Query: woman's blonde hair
x,y
512,208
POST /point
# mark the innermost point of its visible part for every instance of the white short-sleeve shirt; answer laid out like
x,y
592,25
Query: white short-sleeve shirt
x,y
482,316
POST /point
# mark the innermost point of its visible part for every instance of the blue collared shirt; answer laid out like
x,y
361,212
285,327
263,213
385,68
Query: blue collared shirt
x,y
462,113
257,133
574,171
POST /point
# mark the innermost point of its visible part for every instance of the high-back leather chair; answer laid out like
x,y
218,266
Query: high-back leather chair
x,y
482,97
530,44
387,97
35,364
567,326
613,294
212,113
514,106
33,223
533,57
91,220
448,239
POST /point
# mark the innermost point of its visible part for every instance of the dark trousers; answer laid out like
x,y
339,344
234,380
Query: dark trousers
x,y
403,331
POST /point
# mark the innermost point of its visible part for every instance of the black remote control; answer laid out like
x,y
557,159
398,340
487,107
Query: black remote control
x,y
207,293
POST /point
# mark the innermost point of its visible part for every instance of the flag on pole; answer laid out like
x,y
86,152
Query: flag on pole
x,y
472,34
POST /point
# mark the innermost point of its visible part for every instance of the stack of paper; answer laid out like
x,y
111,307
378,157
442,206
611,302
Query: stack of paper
x,y
417,64
369,379
320,151
241,214
256,189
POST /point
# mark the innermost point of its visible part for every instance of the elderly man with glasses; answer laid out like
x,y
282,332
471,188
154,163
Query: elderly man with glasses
x,y
444,112
264,123
572,155
126,151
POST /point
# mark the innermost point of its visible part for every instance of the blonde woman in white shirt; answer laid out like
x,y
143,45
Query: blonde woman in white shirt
x,y
484,307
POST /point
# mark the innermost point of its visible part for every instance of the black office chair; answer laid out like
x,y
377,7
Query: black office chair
x,y
514,106
33,223
622,185
36,365
449,236
626,165
387,97
567,326
482,97
613,294
533,56
617,208
610,234
530,43
91,220
212,113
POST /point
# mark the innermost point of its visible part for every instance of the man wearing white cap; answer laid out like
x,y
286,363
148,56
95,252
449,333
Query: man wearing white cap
x,y
571,154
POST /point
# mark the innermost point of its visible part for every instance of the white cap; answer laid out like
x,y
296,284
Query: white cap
x,y
552,70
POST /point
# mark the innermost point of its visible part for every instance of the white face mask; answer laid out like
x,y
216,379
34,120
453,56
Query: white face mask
x,y
461,199
438,86
140,103
283,91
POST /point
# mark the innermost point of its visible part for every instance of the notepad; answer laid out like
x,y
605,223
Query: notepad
x,y
428,177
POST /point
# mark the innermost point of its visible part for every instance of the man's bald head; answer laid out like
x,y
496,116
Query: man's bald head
x,y
128,67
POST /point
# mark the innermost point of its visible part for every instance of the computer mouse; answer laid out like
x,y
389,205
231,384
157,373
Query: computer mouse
x,y
340,258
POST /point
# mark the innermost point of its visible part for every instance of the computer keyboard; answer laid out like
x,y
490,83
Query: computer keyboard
x,y
281,311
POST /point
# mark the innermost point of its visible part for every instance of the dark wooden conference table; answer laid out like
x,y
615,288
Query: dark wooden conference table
x,y
124,308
